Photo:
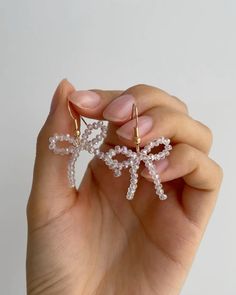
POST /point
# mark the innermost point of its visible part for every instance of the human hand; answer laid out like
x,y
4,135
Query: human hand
x,y
94,241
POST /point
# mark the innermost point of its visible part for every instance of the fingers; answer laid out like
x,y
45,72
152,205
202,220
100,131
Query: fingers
x,y
163,121
50,184
201,174
160,115
116,106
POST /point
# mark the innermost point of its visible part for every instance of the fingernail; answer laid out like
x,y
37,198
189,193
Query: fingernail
x,y
160,166
144,125
85,99
120,108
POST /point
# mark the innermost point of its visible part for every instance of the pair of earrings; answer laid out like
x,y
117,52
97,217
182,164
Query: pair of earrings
x,y
81,142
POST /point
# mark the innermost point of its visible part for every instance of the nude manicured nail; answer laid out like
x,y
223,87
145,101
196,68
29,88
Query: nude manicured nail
x,y
145,124
160,166
85,99
120,108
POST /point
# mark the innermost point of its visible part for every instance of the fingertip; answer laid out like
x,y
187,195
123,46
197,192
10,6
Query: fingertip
x,y
61,93
64,88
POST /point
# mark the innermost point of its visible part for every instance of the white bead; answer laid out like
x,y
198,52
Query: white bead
x,y
99,137
94,141
117,149
124,150
163,197
117,173
96,152
126,164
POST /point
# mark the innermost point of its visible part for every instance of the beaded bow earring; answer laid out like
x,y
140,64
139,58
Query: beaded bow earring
x,y
135,158
79,142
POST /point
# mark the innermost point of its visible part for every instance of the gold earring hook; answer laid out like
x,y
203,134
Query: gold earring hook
x,y
73,116
137,139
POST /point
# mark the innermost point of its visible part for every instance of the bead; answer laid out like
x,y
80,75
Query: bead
x,y
124,150
51,146
163,197
117,173
117,149
95,125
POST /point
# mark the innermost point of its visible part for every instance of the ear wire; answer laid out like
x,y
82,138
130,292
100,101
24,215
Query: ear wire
x,y
73,116
137,138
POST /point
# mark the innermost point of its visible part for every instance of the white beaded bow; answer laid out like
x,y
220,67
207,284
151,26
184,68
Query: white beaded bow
x,y
78,145
133,161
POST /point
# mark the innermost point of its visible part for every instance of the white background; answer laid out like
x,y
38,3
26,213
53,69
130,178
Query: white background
x,y
185,47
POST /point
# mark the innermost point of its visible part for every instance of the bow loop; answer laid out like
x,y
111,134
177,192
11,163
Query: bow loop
x,y
155,143
73,143
90,144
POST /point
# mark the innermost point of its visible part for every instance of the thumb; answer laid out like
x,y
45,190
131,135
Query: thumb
x,y
50,189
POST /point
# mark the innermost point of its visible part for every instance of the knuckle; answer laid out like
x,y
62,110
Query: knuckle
x,y
141,86
145,88
208,132
219,172
181,103
184,105
139,89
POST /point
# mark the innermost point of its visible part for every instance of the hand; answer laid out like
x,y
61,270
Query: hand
x,y
94,241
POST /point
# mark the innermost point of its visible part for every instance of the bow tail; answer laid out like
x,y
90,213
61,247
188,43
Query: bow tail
x,y
71,168
133,183
157,182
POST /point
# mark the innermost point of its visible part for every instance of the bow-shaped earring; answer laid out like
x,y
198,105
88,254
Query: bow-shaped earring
x,y
135,158
78,143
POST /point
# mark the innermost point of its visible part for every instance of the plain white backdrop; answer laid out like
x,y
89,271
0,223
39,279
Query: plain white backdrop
x,y
186,47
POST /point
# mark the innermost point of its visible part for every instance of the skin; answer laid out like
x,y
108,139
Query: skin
x,y
94,241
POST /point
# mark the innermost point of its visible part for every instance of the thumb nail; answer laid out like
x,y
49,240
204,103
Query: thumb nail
x,y
85,99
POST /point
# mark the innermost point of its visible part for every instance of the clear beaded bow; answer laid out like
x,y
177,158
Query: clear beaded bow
x,y
134,160
80,142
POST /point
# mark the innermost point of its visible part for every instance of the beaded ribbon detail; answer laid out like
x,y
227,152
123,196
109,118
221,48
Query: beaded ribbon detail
x,y
76,145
